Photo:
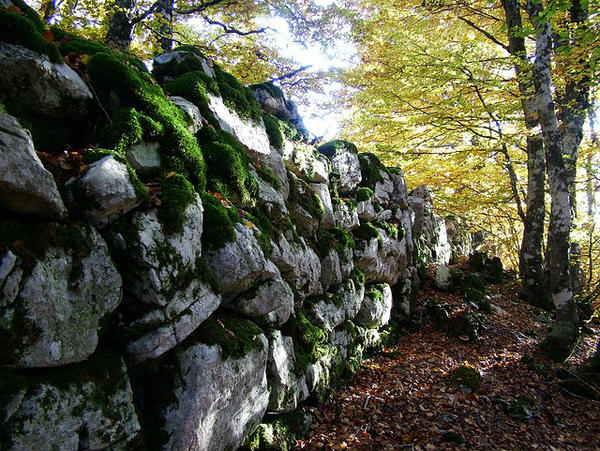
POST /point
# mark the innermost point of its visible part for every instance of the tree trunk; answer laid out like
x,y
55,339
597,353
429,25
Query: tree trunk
x,y
49,9
534,289
563,336
120,26
165,9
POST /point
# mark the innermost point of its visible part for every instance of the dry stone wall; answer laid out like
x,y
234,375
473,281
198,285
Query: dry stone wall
x,y
197,267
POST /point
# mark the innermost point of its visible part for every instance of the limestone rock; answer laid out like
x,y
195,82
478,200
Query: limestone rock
x,y
55,308
144,157
191,110
443,279
345,215
273,102
376,307
38,85
270,200
288,389
399,195
25,185
331,270
298,263
344,162
305,162
366,210
240,265
87,406
215,401
271,303
168,66
340,304
104,193
381,260
322,190
165,291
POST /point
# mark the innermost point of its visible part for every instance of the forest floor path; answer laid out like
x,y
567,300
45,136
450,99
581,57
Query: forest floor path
x,y
407,398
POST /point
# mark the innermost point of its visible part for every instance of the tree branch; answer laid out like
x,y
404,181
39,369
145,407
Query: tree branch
x,y
485,33
197,9
290,74
230,30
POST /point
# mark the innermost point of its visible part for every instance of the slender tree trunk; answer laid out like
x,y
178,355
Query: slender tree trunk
x,y
120,26
535,289
563,336
49,9
165,9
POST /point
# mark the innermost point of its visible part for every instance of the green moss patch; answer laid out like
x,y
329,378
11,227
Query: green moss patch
x,y
236,96
26,29
371,169
363,194
227,166
332,147
302,194
188,62
134,88
219,222
273,130
337,239
195,86
236,337
390,229
367,231
309,340
71,43
269,176
177,194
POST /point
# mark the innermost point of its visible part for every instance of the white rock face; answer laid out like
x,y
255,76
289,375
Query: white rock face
x,y
383,191
250,134
381,263
270,200
271,304
331,270
55,312
322,190
376,307
345,163
107,190
400,194
25,185
344,215
306,162
366,210
298,263
340,304
442,277
167,295
68,416
191,110
218,401
240,265
37,84
288,389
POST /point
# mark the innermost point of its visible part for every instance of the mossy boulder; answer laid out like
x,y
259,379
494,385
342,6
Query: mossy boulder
x,y
58,290
63,408
468,377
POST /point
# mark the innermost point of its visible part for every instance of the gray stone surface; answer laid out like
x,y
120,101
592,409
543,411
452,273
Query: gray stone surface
x,y
179,57
288,388
191,110
87,406
144,157
25,185
279,107
322,190
240,265
55,310
306,162
376,307
345,215
331,270
341,303
298,263
165,291
346,164
366,210
40,86
381,262
270,304
216,401
103,193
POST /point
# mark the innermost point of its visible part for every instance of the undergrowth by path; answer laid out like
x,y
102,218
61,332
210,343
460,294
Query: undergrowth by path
x,y
407,399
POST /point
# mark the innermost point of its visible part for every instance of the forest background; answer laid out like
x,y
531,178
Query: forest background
x,y
450,91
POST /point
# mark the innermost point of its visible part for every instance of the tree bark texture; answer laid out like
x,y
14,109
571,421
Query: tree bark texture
x,y
535,288
564,333
120,26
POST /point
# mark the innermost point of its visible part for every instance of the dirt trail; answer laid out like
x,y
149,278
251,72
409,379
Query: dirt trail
x,y
406,398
